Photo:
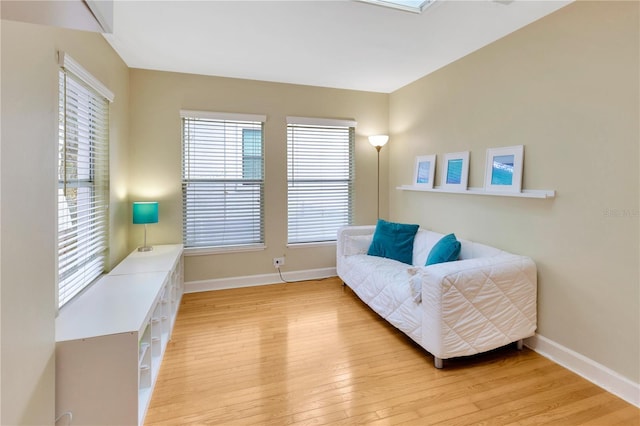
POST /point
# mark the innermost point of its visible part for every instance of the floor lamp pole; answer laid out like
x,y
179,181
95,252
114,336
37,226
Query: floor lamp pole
x,y
378,142
378,198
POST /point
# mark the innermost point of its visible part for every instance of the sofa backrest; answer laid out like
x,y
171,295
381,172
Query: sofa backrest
x,y
471,250
356,240
425,240
422,245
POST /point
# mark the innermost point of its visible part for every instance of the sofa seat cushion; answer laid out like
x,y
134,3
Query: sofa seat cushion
x,y
384,285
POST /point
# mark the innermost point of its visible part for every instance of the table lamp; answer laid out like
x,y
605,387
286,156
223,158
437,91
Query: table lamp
x,y
145,212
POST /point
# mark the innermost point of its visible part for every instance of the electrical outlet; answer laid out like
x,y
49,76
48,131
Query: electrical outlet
x,y
278,261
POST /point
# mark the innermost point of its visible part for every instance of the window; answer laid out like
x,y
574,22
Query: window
x,y
222,179
251,153
83,179
320,178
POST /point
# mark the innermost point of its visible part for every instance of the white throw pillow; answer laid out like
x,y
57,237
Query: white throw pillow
x,y
357,244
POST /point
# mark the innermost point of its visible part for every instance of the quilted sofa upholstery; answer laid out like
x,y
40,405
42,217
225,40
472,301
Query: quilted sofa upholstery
x,y
484,300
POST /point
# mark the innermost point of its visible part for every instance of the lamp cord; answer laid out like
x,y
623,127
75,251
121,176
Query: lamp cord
x,y
298,281
68,414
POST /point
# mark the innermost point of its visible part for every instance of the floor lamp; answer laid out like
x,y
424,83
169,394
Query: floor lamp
x,y
378,141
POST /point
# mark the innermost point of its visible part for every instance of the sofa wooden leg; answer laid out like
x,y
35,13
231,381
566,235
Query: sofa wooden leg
x,y
438,362
520,344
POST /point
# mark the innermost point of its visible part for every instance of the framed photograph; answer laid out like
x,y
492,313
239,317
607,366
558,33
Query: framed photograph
x,y
456,171
425,171
503,172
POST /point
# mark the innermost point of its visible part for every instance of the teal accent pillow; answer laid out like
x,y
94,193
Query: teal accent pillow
x,y
393,241
445,250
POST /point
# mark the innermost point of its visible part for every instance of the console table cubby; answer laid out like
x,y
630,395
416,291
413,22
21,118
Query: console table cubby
x,y
110,340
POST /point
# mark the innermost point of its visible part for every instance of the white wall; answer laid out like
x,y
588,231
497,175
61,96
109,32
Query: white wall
x,y
567,88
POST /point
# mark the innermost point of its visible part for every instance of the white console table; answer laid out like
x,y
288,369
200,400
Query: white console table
x,y
110,340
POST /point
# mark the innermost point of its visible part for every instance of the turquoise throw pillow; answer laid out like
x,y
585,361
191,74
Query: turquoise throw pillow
x,y
445,250
393,241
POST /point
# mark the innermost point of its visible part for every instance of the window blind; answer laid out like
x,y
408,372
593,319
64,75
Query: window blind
x,y
222,179
320,178
83,185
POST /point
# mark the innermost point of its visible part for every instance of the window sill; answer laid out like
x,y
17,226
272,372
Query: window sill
x,y
311,245
203,251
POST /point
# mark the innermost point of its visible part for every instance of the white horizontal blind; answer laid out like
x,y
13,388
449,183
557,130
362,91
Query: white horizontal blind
x,y
222,181
320,180
83,185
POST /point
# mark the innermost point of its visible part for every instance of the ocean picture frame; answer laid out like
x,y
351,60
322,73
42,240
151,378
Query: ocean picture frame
x,y
456,171
424,171
503,170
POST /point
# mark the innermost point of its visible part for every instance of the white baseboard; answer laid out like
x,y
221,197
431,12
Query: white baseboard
x,y
587,368
255,280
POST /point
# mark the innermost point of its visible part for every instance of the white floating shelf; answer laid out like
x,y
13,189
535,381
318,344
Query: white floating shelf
x,y
526,193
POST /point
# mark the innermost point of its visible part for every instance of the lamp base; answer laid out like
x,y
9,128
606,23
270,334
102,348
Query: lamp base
x,y
145,247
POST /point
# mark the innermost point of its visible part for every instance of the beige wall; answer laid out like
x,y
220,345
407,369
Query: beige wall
x,y
155,158
28,223
565,87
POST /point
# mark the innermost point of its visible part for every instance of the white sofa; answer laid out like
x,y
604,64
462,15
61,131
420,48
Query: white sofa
x,y
484,300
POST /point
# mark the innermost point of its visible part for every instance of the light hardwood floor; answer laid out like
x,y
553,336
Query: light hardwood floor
x,y
312,353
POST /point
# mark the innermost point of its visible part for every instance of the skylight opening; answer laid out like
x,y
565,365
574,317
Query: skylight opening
x,y
414,6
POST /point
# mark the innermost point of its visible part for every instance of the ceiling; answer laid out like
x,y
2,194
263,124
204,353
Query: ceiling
x,y
340,44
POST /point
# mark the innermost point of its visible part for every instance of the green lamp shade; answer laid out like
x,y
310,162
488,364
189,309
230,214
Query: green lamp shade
x,y
145,212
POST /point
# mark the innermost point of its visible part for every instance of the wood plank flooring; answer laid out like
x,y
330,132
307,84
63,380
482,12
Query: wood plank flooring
x,y
312,353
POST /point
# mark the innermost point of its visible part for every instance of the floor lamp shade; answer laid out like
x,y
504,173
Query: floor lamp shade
x,y
145,212
378,141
